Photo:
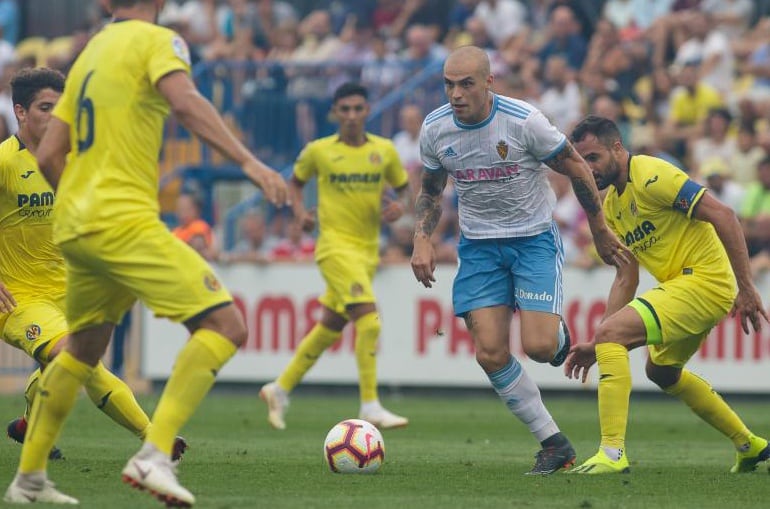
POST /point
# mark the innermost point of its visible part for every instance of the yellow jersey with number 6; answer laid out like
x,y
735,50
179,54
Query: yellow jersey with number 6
x,y
116,117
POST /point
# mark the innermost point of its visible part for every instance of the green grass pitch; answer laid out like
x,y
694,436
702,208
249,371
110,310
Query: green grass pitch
x,y
458,452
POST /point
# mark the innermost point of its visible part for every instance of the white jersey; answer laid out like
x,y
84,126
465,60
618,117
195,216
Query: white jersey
x,y
501,182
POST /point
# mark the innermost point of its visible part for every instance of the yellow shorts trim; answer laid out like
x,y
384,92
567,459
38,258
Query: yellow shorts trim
x,y
650,319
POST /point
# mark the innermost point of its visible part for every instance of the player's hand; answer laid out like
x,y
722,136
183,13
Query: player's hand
x,y
580,359
7,302
391,209
748,305
424,261
307,221
271,182
609,247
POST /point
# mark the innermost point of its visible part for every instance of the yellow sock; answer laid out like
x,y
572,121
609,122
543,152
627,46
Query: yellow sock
x,y
367,334
112,396
56,395
309,350
709,406
193,375
614,391
31,391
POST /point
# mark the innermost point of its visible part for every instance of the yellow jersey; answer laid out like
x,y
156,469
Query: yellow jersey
x,y
351,181
653,217
116,117
31,265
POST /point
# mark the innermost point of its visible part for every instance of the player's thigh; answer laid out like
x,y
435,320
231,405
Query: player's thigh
x,y
93,297
482,279
686,309
168,276
35,327
349,277
536,266
490,329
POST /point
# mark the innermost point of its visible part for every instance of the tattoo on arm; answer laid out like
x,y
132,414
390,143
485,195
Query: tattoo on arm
x,y
427,210
568,162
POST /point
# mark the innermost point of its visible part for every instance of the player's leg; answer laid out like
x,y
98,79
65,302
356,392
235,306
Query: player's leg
x,y
40,330
489,327
323,335
663,368
536,265
172,280
367,324
621,332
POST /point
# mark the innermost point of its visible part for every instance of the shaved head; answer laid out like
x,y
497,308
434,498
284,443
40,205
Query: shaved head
x,y
468,60
468,84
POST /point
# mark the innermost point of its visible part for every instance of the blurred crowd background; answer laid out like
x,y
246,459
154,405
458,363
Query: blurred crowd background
x,y
685,80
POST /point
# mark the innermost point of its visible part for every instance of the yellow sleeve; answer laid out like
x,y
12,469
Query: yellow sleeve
x,y
167,53
395,174
304,166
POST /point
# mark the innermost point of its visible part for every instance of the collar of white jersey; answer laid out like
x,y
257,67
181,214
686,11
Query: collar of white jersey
x,y
483,122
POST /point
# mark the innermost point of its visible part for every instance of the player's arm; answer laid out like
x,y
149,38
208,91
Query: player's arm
x,y
427,212
748,303
568,162
53,149
198,115
392,209
623,287
301,214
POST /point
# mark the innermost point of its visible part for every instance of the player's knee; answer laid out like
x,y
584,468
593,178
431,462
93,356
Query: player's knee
x,y
607,333
228,322
662,376
492,360
542,351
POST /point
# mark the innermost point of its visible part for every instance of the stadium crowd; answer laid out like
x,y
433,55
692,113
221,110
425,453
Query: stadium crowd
x,y
685,80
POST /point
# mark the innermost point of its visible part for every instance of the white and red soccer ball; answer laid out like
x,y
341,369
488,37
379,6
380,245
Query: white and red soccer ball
x,y
354,446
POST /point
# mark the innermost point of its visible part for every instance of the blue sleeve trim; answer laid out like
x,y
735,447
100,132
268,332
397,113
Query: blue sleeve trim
x,y
688,196
556,150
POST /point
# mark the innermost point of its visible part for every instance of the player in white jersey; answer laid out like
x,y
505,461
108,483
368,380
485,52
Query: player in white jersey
x,y
510,251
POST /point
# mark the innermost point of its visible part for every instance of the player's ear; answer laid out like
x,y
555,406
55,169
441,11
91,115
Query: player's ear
x,y
20,112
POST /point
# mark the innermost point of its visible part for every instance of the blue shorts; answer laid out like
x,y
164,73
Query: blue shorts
x,y
522,273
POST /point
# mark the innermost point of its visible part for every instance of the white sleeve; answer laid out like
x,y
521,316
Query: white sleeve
x,y
428,154
541,138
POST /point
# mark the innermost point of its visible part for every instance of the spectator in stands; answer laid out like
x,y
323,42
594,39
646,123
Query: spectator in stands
x,y
298,246
605,105
711,49
644,140
690,103
755,211
505,22
746,156
560,100
421,49
731,17
407,142
398,245
565,38
254,244
718,178
192,229
717,140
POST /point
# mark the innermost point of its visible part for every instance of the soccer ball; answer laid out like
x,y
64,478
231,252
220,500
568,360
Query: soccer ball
x,y
354,446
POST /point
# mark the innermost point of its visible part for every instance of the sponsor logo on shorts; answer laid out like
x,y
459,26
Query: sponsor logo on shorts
x,y
33,332
356,290
211,282
528,295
